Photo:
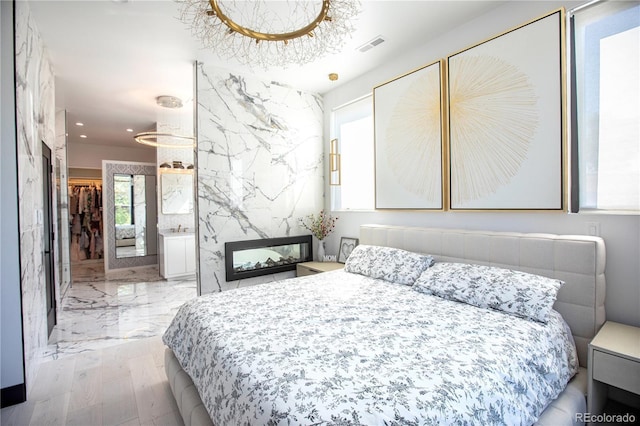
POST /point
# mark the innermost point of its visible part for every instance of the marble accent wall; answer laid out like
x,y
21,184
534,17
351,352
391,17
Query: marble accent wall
x,y
259,166
35,116
63,205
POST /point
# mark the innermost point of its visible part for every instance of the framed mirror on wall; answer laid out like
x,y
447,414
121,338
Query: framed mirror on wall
x,y
131,215
176,192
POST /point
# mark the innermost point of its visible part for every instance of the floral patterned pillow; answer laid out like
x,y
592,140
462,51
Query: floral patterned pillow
x,y
387,263
517,293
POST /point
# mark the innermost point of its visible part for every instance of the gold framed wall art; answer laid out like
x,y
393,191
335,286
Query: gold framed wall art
x,y
408,146
506,101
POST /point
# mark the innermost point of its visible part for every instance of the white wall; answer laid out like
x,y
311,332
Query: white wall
x,y
620,232
12,371
91,156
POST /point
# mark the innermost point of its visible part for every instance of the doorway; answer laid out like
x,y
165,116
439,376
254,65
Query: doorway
x,y
49,236
85,239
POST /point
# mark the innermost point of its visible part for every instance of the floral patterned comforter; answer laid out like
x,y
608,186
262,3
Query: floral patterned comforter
x,y
125,231
340,348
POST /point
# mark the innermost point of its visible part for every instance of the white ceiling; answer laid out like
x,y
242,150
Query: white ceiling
x,y
112,58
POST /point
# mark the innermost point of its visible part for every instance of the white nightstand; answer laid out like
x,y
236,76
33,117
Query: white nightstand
x,y
614,359
311,268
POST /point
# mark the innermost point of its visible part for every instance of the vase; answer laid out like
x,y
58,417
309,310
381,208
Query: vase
x,y
321,250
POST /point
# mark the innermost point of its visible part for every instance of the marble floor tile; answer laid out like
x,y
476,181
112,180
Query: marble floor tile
x,y
101,310
93,270
104,364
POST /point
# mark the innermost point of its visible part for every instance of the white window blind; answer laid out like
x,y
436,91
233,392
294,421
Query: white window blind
x,y
352,126
606,61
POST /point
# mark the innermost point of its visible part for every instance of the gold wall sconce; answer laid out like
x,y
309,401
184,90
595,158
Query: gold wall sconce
x,y
335,172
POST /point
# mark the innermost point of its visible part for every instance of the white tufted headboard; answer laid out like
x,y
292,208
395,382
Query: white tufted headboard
x,y
578,260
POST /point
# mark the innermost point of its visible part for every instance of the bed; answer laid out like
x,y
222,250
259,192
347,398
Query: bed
x,y
125,235
320,374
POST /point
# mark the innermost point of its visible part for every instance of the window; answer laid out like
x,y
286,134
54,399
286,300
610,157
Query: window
x,y
606,89
352,126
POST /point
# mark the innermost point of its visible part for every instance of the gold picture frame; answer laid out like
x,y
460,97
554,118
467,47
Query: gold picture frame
x,y
409,140
506,131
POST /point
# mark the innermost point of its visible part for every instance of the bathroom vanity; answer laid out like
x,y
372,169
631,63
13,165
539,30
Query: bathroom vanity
x,y
177,254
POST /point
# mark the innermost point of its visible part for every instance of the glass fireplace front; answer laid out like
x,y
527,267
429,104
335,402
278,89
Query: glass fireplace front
x,y
252,258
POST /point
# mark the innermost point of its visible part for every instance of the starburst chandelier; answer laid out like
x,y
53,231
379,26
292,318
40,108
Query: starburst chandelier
x,y
271,33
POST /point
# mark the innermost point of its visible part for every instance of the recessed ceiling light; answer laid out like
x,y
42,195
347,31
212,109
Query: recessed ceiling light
x,y
129,130
83,136
79,124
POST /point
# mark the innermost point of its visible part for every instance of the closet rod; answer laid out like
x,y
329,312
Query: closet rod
x,y
84,182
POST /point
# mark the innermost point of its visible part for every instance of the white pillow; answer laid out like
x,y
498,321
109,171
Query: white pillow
x,y
387,263
514,292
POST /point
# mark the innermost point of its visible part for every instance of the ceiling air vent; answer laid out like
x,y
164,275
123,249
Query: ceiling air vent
x,y
371,44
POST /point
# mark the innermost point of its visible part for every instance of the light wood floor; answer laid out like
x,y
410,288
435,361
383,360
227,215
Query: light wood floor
x,y
119,385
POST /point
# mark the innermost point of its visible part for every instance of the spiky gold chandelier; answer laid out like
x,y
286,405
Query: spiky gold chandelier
x,y
271,33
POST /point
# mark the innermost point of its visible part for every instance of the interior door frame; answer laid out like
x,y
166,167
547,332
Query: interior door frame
x,y
49,237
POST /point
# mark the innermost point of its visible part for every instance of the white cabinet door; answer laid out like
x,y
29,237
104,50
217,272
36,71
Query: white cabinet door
x,y
190,250
176,256
162,256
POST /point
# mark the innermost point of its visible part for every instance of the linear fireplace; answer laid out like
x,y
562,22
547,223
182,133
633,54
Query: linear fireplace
x,y
252,258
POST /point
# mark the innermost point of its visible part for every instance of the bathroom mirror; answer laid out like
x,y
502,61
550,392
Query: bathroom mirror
x,y
130,214
177,192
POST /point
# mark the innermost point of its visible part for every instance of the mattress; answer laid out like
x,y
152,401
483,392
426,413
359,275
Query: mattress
x,y
341,347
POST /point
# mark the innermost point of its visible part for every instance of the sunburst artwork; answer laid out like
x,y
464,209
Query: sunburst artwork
x,y
505,102
408,126
493,117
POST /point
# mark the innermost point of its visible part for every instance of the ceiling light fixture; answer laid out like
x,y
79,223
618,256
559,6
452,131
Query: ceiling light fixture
x,y
164,140
79,124
83,136
169,101
130,130
271,33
